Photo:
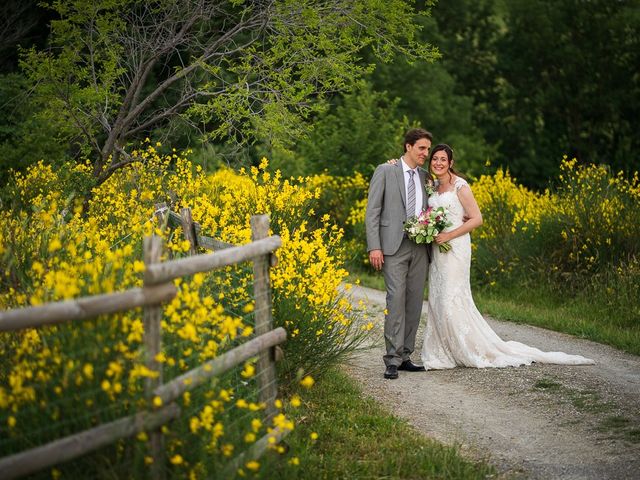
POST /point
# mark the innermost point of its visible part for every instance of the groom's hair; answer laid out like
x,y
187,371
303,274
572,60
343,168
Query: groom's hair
x,y
415,134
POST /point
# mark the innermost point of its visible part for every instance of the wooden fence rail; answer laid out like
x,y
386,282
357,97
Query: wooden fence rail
x,y
85,308
74,446
219,365
158,290
164,272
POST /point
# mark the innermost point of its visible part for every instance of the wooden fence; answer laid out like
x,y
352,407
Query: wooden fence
x,y
158,289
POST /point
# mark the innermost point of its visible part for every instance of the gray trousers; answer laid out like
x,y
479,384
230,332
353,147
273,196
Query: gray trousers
x,y
405,274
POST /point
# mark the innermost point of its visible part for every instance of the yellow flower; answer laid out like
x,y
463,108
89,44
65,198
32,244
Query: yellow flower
x,y
248,308
368,326
256,423
55,245
227,449
177,460
307,382
313,436
249,371
88,370
252,465
295,401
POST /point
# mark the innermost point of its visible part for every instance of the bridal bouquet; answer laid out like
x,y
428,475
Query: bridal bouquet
x,y
425,227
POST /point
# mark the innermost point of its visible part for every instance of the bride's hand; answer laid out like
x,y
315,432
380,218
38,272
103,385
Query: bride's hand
x,y
393,161
443,237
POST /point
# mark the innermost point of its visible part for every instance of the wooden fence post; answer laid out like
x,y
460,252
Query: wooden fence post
x,y
153,344
162,214
262,309
189,229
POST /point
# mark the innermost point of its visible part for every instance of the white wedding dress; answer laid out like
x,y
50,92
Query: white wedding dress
x,y
456,333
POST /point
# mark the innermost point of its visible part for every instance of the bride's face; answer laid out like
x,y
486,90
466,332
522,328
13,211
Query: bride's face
x,y
440,163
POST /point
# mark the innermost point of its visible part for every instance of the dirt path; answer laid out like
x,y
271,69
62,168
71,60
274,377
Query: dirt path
x,y
538,421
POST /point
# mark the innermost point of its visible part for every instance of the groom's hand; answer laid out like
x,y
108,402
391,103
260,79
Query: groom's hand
x,y
376,258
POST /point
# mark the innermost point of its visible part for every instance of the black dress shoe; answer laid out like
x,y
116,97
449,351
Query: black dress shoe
x,y
409,366
391,372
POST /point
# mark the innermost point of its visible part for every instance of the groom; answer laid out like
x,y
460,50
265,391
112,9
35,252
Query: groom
x,y
396,193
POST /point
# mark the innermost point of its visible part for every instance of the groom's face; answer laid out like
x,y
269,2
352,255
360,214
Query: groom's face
x,y
416,155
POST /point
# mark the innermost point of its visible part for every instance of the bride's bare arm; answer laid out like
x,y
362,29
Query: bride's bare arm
x,y
473,216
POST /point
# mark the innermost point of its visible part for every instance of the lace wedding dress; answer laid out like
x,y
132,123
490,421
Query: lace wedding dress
x,y
456,332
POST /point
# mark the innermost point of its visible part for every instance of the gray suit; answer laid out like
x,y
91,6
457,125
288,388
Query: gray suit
x,y
405,263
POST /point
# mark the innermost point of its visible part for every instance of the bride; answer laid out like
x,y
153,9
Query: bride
x,y
456,332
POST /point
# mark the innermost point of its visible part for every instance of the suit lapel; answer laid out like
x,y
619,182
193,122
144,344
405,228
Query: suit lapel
x,y
400,179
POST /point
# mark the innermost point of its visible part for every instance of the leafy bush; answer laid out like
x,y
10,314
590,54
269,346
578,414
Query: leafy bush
x,y
59,380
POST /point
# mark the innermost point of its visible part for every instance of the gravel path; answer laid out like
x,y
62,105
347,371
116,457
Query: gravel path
x,y
538,421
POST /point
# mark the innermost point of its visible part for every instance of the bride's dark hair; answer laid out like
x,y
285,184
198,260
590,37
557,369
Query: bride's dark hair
x,y
443,147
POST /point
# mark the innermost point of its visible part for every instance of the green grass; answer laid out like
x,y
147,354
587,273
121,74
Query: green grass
x,y
583,400
549,309
547,384
576,316
358,439
621,426
589,402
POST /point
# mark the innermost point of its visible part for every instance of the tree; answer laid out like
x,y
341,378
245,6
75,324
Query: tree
x,y
570,85
23,24
238,69
430,95
362,130
19,26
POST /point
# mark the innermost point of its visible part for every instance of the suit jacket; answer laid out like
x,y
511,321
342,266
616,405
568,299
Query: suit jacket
x,y
386,210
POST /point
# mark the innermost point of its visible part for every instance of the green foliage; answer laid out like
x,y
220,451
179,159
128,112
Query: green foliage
x,y
54,249
574,248
522,83
428,95
27,134
119,69
566,83
519,83
362,131
343,200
